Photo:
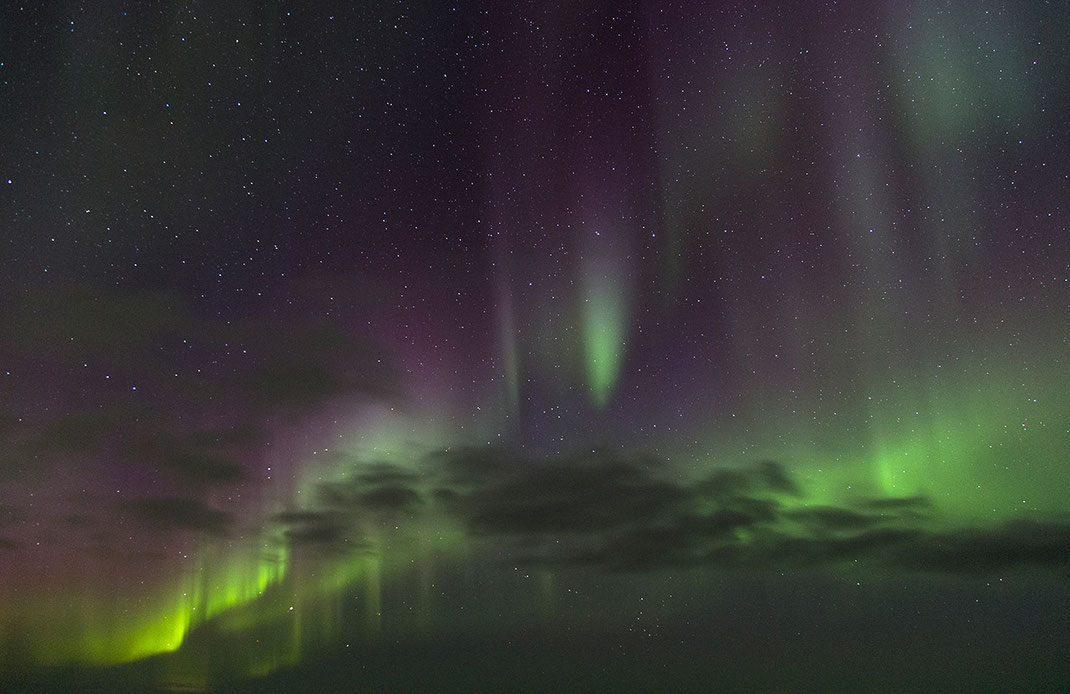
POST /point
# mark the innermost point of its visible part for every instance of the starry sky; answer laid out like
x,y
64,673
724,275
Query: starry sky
x,y
434,345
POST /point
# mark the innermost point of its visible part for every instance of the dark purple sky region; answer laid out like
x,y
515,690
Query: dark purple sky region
x,y
331,330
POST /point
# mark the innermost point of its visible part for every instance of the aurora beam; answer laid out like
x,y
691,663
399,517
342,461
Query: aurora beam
x,y
604,323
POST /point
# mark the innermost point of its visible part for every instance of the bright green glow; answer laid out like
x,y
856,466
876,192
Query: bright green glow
x,y
981,439
242,579
974,441
116,628
978,453
100,629
159,628
604,326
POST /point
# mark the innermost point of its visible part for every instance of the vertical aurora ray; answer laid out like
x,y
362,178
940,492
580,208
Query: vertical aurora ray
x,y
605,325
239,578
607,286
507,336
120,627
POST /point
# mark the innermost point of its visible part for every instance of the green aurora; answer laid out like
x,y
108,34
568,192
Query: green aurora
x,y
554,347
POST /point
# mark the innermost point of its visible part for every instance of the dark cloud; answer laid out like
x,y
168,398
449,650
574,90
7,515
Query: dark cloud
x,y
772,475
7,545
353,496
626,513
135,436
330,532
385,473
911,503
724,483
599,492
372,487
788,550
1027,542
617,512
832,518
471,466
604,508
765,477
300,517
197,459
390,498
122,389
686,541
449,499
319,533
167,514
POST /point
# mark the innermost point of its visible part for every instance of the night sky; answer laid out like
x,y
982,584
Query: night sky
x,y
624,346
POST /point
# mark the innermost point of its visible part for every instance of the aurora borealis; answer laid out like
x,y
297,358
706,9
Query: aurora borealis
x,y
643,346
